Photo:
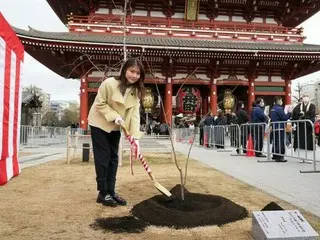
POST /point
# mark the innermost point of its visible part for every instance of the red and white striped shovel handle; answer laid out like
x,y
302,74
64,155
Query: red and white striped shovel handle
x,y
137,154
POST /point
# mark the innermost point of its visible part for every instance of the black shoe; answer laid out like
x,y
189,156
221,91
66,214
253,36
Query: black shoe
x,y
260,155
281,160
119,200
106,200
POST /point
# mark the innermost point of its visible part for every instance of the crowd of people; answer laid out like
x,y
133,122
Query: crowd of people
x,y
283,124
155,128
292,130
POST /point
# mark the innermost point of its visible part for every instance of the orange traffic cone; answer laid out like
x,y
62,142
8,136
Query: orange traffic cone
x,y
250,151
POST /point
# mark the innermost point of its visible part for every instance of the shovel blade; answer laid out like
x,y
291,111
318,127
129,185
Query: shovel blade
x,y
162,189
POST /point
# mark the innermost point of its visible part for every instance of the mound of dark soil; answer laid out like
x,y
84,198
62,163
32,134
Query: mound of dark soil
x,y
127,224
272,206
196,210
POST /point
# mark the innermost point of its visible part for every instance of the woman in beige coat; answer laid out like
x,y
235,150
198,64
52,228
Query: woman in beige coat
x,y
117,102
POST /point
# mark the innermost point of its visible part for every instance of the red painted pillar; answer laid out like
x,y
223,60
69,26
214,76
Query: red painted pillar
x,y
251,95
287,100
213,97
84,104
205,104
168,102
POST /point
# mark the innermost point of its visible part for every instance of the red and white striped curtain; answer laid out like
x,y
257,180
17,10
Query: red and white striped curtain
x,y
11,60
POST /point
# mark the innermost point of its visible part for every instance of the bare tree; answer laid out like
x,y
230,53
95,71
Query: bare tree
x,y
297,93
33,89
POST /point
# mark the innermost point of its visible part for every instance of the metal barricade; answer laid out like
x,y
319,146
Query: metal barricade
x,y
254,138
41,136
75,141
299,143
180,134
185,135
196,136
222,137
232,138
272,141
208,137
149,143
25,135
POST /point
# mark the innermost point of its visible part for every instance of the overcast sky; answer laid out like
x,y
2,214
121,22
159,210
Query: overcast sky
x,y
37,14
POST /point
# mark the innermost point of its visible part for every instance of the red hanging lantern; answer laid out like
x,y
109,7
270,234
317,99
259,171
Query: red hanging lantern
x,y
188,100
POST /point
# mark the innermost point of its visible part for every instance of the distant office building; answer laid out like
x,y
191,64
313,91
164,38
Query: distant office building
x,y
58,107
46,104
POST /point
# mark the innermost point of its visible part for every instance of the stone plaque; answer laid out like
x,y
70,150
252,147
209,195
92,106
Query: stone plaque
x,y
281,225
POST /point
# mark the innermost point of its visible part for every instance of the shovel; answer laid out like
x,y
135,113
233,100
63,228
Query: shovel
x,y
157,185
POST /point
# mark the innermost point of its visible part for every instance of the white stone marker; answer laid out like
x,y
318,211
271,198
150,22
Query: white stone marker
x,y
282,225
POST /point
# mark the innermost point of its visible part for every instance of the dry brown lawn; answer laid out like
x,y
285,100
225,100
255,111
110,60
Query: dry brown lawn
x,y
57,201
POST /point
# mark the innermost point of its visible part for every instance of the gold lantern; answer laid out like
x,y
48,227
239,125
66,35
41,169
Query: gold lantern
x,y
228,101
148,100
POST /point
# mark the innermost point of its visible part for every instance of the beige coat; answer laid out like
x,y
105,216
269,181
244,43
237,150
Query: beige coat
x,y
110,104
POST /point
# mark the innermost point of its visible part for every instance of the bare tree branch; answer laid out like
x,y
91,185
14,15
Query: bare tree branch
x,y
298,90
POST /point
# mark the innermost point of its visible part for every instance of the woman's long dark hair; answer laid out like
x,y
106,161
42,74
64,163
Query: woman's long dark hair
x,y
138,85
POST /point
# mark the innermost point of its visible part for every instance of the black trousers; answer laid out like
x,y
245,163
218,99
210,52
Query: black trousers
x,y
105,150
318,137
234,135
258,138
278,143
201,136
243,140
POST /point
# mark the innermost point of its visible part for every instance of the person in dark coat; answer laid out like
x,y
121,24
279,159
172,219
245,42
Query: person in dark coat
x,y
163,128
303,137
277,115
259,118
242,118
201,125
231,122
253,105
251,128
219,130
209,120
207,130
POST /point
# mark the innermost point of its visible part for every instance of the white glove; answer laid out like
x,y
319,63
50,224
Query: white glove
x,y
119,121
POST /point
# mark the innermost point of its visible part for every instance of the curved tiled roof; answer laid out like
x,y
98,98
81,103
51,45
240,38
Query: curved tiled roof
x,y
165,42
300,10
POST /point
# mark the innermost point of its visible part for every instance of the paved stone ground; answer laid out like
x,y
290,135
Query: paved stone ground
x,y
283,180
42,155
